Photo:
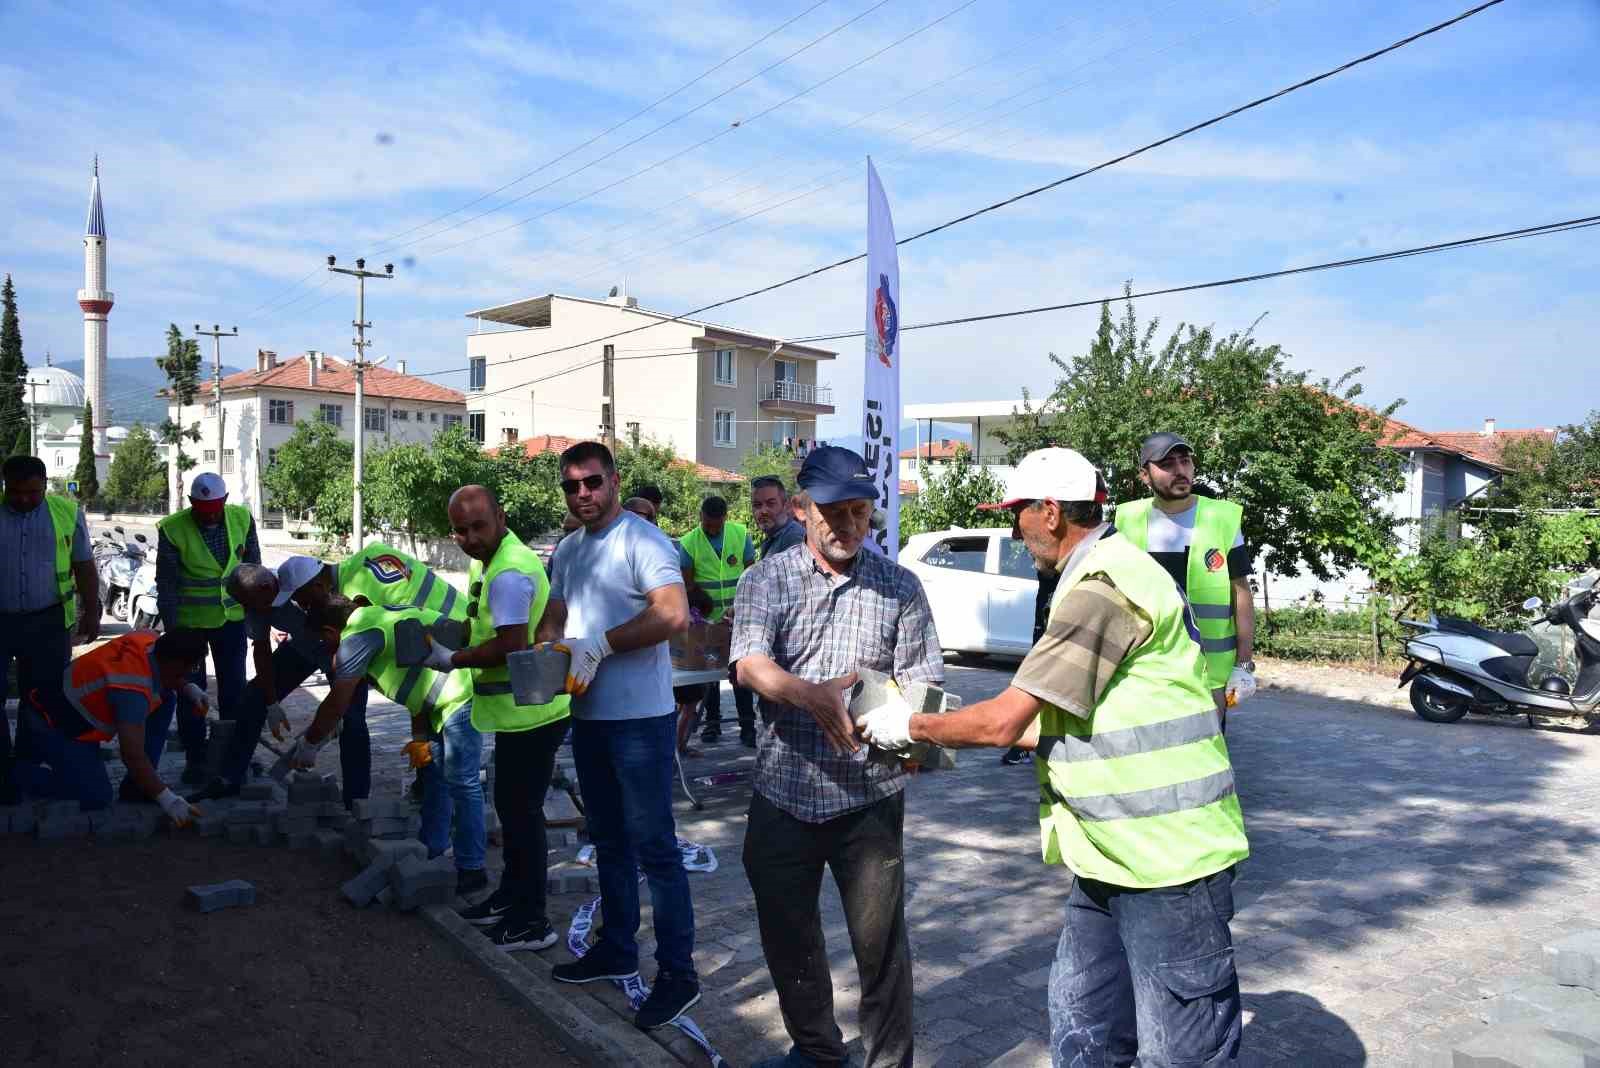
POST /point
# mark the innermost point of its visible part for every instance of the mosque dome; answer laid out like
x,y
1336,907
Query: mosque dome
x,y
52,387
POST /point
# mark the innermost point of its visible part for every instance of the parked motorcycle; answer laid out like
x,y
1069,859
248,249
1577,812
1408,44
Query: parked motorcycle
x,y
142,597
1458,667
119,562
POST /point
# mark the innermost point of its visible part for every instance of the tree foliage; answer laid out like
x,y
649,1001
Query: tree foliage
x,y
1300,455
950,497
85,475
137,477
650,462
1542,474
310,462
761,461
181,365
13,368
22,444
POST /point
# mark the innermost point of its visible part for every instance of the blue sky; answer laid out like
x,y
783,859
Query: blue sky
x,y
242,142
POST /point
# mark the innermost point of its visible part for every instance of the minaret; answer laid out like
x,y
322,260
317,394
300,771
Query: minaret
x,y
96,301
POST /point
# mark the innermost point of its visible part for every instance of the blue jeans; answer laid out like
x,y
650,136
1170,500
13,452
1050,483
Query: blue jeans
x,y
42,648
1147,974
59,767
228,643
455,789
625,770
160,721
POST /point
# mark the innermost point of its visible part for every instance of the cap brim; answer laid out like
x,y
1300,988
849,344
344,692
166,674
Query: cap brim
x,y
284,593
835,494
1001,506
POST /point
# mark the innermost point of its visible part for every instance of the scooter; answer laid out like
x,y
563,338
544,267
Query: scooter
x,y
1458,667
142,597
119,562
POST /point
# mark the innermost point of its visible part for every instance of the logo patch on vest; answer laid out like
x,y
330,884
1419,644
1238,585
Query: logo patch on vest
x,y
388,569
1215,561
731,561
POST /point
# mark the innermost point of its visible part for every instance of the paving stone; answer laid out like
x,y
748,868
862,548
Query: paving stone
x,y
300,839
22,820
1526,1046
51,828
559,811
388,828
1575,960
209,898
258,791
328,842
422,882
387,852
572,880
263,835
241,833
1534,998
364,887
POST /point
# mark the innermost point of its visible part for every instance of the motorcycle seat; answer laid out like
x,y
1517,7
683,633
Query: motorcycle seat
x,y
1515,644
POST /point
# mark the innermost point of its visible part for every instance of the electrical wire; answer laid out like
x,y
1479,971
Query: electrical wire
x,y
1037,190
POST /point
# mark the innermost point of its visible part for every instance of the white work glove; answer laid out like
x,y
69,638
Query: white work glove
x,y
197,698
586,654
1241,686
304,753
278,721
438,657
179,811
889,725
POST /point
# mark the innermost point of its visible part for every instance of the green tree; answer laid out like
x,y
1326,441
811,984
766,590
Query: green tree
x,y
681,488
406,487
137,475
760,461
85,475
950,497
529,488
23,444
307,465
13,367
181,365
1300,455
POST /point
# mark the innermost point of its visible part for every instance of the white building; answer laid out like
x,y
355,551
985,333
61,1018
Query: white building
x,y
55,404
260,409
711,392
982,421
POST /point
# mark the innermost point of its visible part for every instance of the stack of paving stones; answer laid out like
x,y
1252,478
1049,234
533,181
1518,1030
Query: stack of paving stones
x,y
217,747
231,894
55,820
1546,1021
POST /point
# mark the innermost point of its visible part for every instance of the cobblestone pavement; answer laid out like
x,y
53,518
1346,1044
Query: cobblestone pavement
x,y
1399,870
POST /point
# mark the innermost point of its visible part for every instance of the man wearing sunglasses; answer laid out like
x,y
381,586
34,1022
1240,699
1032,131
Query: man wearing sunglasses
x,y
617,586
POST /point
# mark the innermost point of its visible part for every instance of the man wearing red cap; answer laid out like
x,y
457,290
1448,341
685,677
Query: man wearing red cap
x,y
196,550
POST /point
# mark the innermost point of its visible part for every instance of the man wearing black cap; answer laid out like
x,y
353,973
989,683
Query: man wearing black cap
x,y
804,621
1200,542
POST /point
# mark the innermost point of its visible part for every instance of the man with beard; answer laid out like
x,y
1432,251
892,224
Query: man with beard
x,y
804,621
1200,542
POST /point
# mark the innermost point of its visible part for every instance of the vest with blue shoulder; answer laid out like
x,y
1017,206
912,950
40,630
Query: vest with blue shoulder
x,y
203,601
494,708
64,524
386,576
1141,792
432,695
718,575
1207,585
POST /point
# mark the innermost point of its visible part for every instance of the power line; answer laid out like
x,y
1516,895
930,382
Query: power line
x,y
740,124
969,216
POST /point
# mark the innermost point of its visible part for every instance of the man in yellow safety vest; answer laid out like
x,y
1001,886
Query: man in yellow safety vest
x,y
713,555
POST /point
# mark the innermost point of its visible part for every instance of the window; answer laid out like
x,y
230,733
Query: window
x,y
272,457
511,435
375,419
280,412
449,420
433,417
227,461
477,373
422,416
1015,561
723,367
958,554
475,426
332,414
402,416
210,456
61,460
722,428
785,431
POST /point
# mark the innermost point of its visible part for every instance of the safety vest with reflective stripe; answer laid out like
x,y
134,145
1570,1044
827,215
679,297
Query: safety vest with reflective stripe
x,y
126,663
1140,793
203,601
717,575
1210,591
435,695
493,706
64,522
386,576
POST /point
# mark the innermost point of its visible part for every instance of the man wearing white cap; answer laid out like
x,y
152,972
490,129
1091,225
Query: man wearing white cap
x,y
196,550
1136,790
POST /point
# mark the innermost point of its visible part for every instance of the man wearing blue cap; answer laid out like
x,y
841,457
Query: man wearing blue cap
x,y
804,621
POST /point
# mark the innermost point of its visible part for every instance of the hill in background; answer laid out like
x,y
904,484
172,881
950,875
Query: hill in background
x,y
132,386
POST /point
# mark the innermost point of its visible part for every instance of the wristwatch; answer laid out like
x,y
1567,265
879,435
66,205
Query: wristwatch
x,y
1248,665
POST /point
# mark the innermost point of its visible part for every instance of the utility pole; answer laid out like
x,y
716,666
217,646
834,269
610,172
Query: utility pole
x,y
216,334
33,411
360,273
608,416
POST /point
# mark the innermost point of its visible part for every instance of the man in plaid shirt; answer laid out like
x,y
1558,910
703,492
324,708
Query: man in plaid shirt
x,y
804,620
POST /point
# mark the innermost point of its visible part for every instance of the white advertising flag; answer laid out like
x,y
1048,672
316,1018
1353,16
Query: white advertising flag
x,y
881,426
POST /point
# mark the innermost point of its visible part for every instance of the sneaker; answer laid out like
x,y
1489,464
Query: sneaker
x,y
710,735
216,790
747,737
471,880
590,968
488,912
514,934
1014,755
671,996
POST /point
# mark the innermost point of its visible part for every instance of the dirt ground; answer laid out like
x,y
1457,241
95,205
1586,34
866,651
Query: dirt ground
x,y
101,963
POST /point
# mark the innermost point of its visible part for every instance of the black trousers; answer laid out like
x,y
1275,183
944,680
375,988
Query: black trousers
x,y
784,858
524,762
41,647
744,699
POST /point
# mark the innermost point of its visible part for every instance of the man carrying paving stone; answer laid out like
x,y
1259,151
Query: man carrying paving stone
x,y
508,592
362,642
1136,791
617,586
803,623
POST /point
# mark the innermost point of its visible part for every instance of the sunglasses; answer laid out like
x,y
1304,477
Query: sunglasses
x,y
474,592
589,482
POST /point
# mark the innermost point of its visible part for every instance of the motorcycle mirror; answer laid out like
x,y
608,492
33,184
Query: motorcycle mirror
x,y
1532,604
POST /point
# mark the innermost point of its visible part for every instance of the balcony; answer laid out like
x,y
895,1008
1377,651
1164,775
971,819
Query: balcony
x,y
786,396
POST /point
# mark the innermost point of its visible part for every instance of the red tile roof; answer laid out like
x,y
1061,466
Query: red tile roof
x,y
334,376
908,488
543,443
1489,447
943,449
